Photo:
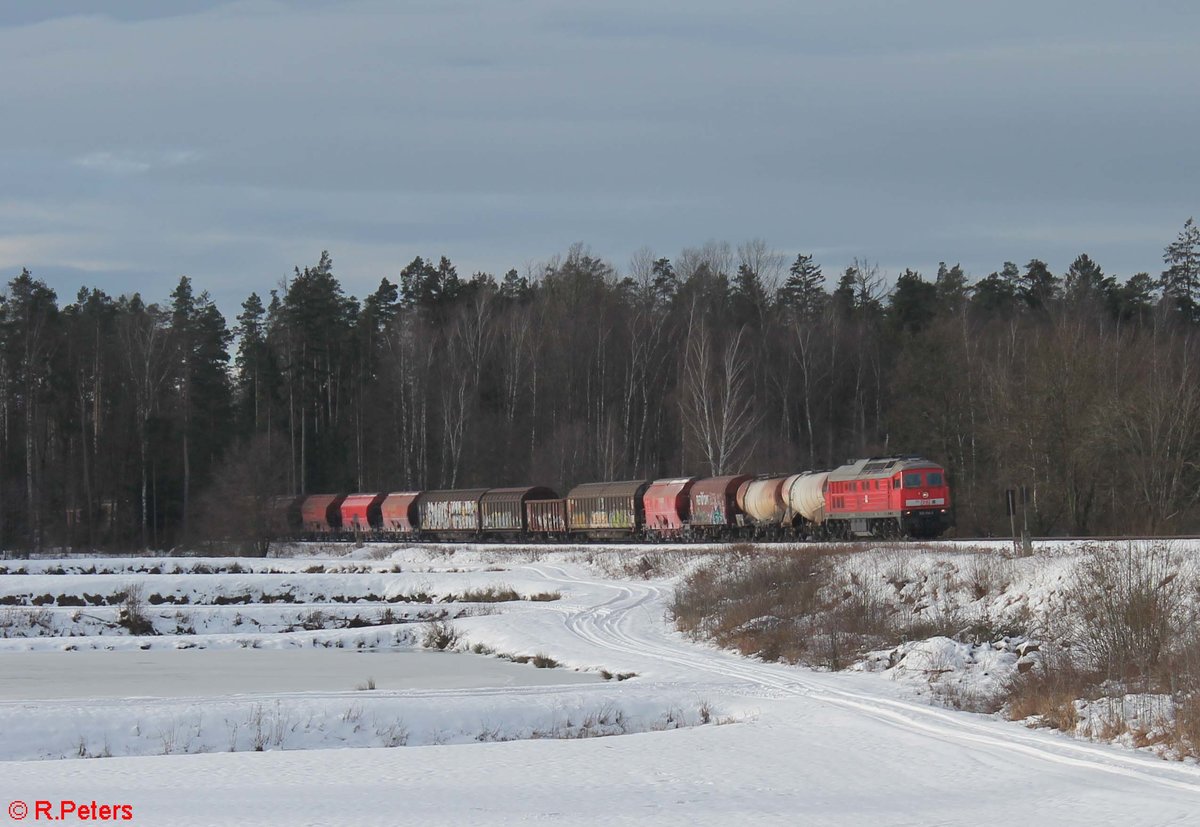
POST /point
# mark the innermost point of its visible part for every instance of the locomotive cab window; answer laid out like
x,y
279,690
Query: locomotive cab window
x,y
933,478
912,480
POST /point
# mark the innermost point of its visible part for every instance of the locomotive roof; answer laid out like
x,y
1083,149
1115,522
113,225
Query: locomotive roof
x,y
879,467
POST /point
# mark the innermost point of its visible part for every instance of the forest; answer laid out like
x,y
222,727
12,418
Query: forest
x,y
129,424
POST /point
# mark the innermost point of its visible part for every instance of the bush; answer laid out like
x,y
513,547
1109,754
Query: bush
x,y
440,635
488,594
1048,693
1126,608
133,611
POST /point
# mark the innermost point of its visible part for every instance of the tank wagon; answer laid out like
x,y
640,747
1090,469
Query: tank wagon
x,y
903,496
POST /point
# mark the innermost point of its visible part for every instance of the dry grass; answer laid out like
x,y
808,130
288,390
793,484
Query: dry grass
x,y
1047,696
496,593
1126,610
440,635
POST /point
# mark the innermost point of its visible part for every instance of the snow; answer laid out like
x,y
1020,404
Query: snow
x,y
195,672
781,744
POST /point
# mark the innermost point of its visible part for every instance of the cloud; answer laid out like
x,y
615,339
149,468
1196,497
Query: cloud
x,y
238,140
134,163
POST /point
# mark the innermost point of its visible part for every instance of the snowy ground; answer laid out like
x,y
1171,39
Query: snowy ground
x,y
712,738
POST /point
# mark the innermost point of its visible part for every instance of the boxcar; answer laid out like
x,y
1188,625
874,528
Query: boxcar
x,y
713,509
607,509
322,513
283,516
399,512
453,512
361,513
546,518
666,505
502,510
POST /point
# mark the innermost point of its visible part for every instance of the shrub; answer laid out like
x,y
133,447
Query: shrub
x,y
488,594
1126,608
133,611
1048,693
440,635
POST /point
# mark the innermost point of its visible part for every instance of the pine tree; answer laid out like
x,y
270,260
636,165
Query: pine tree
x,y
996,294
951,286
514,286
804,291
664,284
199,342
914,302
1085,281
1180,281
254,363
1135,298
1037,287
30,338
749,297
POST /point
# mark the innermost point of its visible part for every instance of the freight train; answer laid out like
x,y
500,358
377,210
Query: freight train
x,y
903,496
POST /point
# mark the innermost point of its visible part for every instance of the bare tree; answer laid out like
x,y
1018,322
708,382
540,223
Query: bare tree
x,y
1155,426
467,349
145,340
769,264
719,411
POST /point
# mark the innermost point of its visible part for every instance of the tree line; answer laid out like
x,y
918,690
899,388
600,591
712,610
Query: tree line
x,y
127,424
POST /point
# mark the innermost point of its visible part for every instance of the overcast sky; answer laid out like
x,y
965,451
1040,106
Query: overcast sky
x,y
231,141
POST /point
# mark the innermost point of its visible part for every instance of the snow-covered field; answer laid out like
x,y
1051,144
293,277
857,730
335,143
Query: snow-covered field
x,y
243,703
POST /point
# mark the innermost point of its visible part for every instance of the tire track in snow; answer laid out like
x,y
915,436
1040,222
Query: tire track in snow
x,y
614,625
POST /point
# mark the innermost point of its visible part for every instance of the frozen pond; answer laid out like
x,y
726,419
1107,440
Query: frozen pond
x,y
200,672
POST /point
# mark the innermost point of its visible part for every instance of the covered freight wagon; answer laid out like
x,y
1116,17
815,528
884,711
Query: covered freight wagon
x,y
503,509
712,506
283,516
361,513
322,513
399,512
606,509
451,512
547,517
666,504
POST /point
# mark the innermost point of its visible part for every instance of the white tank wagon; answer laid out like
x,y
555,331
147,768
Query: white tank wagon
x,y
762,501
805,495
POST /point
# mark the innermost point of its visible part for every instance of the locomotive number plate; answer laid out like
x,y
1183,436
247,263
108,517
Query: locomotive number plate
x,y
931,501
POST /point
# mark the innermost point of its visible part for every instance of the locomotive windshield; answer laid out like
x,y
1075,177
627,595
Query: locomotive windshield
x,y
933,478
912,480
